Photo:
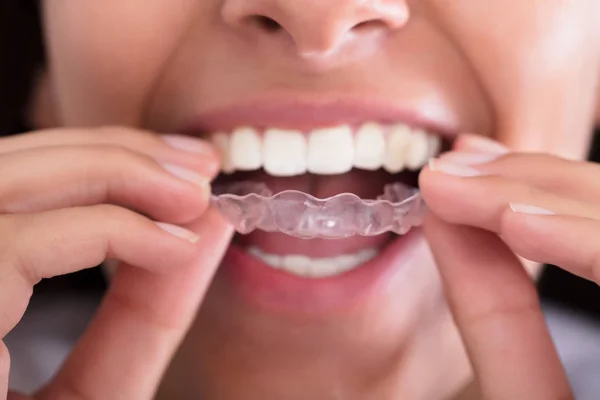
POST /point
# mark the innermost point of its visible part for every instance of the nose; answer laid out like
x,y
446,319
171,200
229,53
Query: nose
x,y
316,27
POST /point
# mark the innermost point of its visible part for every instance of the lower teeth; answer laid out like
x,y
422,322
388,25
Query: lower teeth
x,y
314,267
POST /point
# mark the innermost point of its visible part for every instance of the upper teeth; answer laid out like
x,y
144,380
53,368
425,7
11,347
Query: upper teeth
x,y
326,151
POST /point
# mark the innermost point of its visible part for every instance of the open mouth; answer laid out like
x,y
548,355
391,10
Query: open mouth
x,y
323,147
359,159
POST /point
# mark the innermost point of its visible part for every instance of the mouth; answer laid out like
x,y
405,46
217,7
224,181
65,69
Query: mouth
x,y
299,148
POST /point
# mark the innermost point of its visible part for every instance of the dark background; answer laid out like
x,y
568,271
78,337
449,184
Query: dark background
x,y
558,285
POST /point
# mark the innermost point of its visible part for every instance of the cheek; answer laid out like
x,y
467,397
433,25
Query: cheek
x,y
105,55
537,67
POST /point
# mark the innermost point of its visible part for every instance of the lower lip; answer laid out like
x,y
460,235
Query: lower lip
x,y
273,289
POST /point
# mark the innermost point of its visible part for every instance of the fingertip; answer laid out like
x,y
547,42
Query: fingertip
x,y
440,192
214,232
186,174
212,223
425,177
180,201
189,144
477,142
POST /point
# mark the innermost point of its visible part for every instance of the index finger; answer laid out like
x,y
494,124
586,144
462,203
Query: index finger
x,y
497,311
544,171
140,324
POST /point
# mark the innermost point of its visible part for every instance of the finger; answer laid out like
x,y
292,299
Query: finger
x,y
571,178
566,241
4,370
480,144
140,324
58,242
481,201
58,177
497,311
177,149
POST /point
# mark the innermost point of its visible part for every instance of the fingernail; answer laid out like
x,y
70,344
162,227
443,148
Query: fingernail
x,y
179,232
449,168
484,144
529,209
469,157
187,143
187,175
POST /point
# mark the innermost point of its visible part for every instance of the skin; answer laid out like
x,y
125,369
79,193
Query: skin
x,y
522,73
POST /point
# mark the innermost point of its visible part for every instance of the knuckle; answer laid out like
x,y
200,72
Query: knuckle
x,y
116,219
114,151
121,158
14,255
111,212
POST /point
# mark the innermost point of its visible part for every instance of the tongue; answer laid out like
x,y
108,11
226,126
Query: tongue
x,y
365,184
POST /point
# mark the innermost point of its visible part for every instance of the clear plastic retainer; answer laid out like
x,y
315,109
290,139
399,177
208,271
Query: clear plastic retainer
x,y
251,205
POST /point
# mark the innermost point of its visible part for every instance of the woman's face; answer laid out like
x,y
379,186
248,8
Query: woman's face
x,y
524,73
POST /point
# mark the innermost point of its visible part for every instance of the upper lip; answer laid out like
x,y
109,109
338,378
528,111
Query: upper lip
x,y
307,114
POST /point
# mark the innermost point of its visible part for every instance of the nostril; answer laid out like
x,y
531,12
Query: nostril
x,y
266,23
369,24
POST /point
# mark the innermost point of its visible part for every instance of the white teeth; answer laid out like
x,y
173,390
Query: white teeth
x,y
314,267
270,259
327,151
435,145
369,147
398,143
418,150
330,150
296,263
221,143
284,152
245,149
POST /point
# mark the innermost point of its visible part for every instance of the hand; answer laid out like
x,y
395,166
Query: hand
x,y
70,199
488,207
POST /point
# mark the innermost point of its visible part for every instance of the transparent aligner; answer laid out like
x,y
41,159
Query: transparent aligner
x,y
250,206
